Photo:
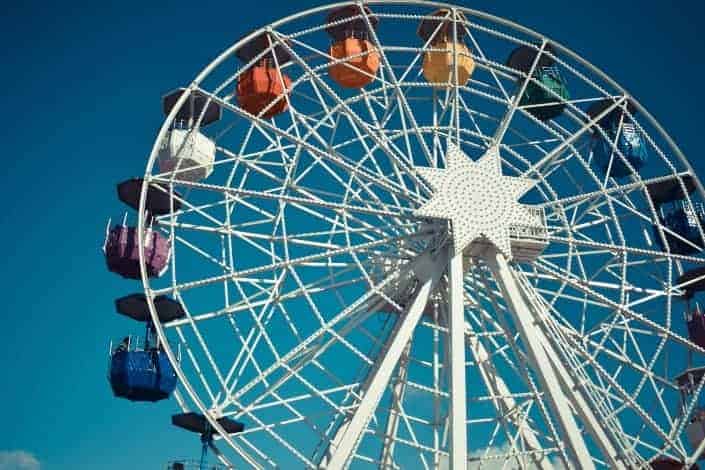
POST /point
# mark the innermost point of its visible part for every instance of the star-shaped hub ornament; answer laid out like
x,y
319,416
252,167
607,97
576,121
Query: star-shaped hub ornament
x,y
477,199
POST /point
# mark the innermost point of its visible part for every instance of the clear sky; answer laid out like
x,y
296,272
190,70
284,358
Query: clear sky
x,y
81,86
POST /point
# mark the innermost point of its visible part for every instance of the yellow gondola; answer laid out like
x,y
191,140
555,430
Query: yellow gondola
x,y
448,48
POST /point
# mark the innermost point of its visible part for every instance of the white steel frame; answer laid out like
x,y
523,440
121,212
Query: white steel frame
x,y
344,330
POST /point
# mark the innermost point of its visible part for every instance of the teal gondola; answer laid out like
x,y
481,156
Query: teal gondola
x,y
545,95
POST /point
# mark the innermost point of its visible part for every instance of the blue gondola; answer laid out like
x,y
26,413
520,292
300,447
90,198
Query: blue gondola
x,y
693,281
621,135
684,221
141,374
681,221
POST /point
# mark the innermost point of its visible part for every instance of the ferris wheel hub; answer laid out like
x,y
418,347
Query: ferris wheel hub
x,y
479,201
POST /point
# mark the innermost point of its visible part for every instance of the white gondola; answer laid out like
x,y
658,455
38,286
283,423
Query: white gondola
x,y
185,150
188,153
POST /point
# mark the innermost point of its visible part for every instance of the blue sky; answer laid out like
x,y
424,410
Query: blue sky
x,y
81,85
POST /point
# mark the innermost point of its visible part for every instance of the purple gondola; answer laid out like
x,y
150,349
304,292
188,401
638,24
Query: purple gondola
x,y
122,254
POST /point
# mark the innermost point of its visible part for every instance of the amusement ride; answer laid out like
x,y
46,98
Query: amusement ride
x,y
408,234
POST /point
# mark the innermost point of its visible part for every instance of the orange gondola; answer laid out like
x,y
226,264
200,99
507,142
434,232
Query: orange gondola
x,y
262,88
351,41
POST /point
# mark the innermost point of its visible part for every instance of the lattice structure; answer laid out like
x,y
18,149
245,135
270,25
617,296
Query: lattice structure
x,y
428,274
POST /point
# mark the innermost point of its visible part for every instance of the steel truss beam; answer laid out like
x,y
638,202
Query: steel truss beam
x,y
571,388
535,347
398,392
348,436
504,403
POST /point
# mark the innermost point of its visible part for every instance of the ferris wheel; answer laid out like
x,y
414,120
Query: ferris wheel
x,y
413,235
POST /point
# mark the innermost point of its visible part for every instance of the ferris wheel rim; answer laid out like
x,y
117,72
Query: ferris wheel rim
x,y
216,62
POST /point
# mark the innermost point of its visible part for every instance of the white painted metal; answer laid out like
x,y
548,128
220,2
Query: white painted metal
x,y
526,323
284,254
596,429
458,394
571,388
505,403
348,437
398,389
480,202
